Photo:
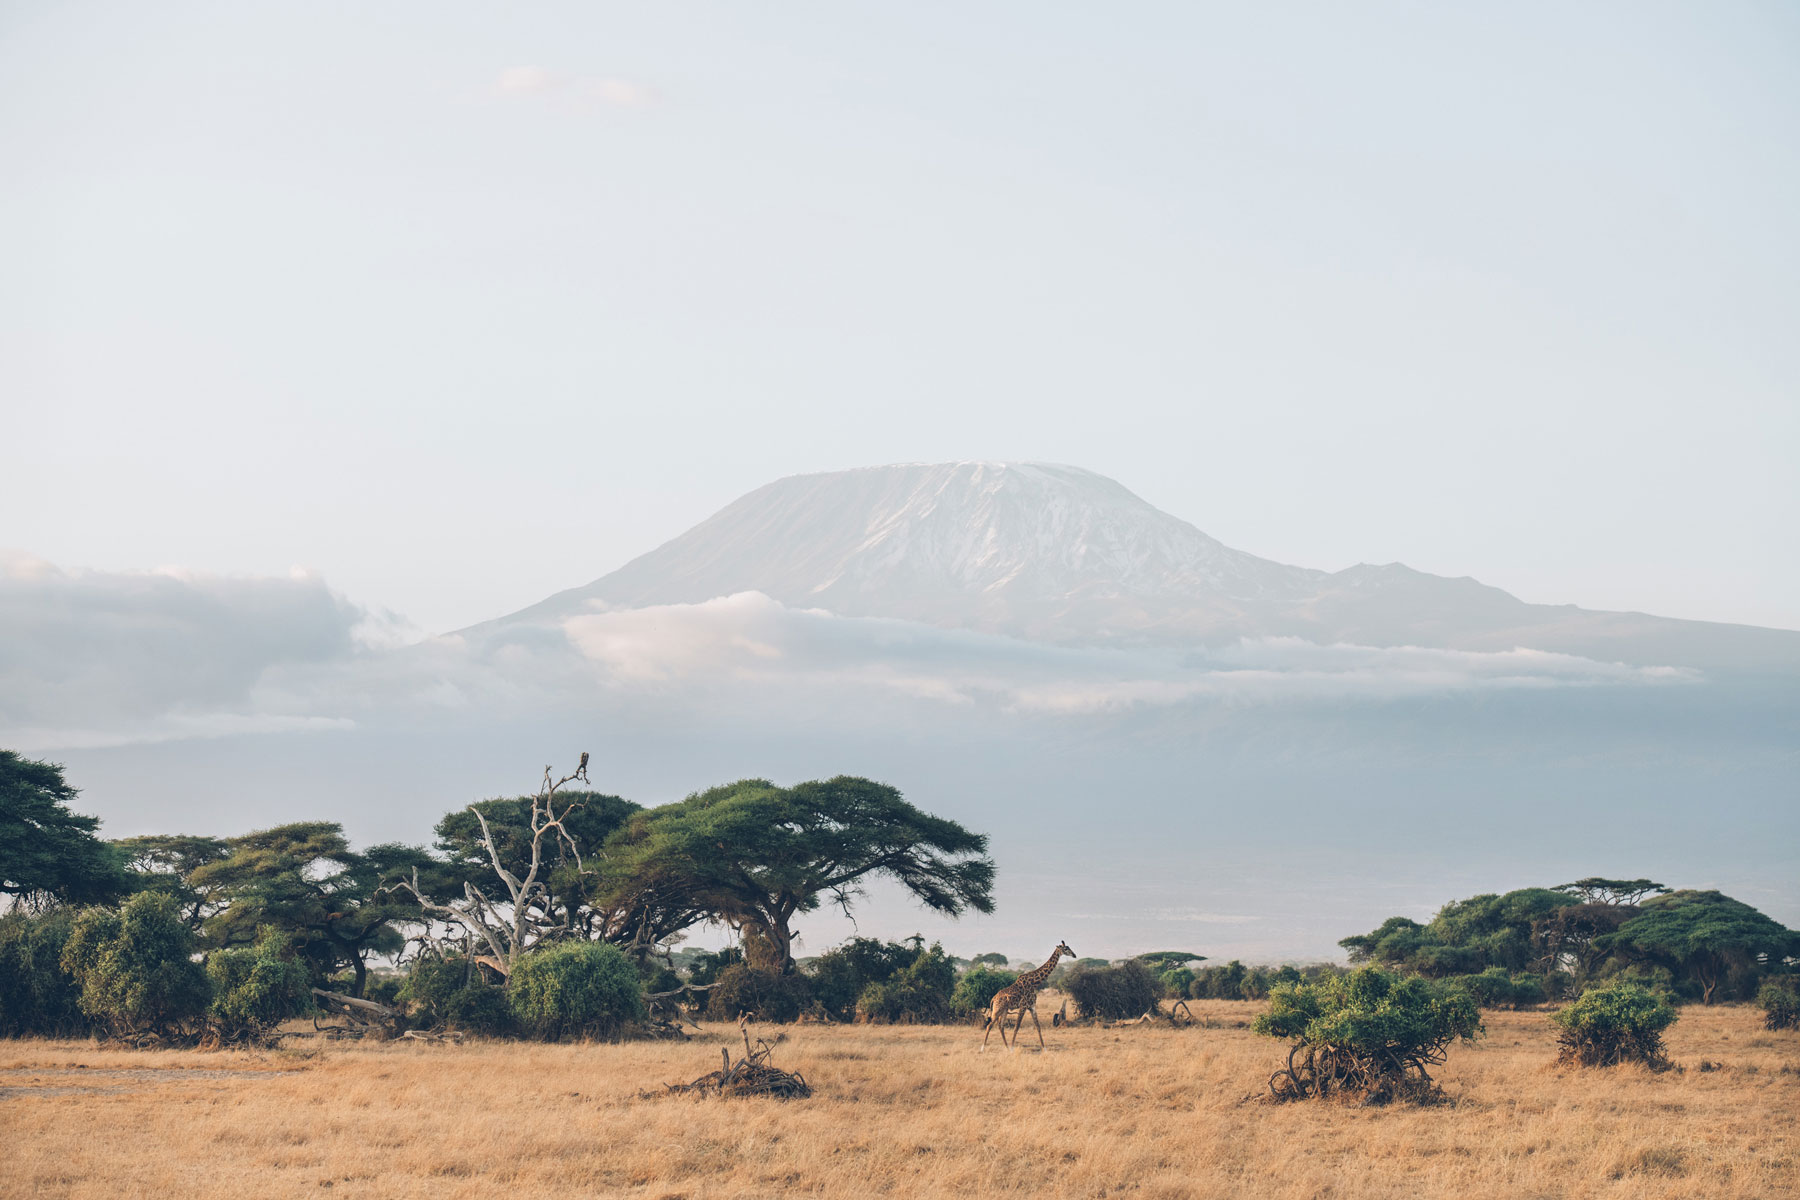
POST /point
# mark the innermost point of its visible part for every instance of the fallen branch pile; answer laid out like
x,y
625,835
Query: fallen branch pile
x,y
751,1075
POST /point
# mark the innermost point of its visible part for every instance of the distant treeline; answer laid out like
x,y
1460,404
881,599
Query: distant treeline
x,y
559,914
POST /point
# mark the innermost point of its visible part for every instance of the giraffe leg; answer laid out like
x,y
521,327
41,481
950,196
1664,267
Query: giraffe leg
x,y
1018,1025
989,1032
1036,1026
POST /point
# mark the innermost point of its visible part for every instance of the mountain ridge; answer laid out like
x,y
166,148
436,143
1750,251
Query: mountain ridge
x,y
1060,554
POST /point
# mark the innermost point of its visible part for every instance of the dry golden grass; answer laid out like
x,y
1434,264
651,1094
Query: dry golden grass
x,y
904,1112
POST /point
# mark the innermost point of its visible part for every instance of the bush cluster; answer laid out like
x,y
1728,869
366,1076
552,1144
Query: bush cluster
x,y
918,993
1612,1024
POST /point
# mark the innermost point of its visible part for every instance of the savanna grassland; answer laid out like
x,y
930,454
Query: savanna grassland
x,y
904,1111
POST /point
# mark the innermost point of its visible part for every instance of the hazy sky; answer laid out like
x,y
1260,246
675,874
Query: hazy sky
x,y
460,305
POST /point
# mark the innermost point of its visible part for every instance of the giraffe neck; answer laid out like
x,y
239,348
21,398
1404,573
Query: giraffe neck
x,y
1035,978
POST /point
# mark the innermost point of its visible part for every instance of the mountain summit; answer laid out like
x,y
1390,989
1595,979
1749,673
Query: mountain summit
x,y
1059,554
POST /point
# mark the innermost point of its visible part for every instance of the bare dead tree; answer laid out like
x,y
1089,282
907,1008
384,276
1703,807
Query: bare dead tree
x,y
511,924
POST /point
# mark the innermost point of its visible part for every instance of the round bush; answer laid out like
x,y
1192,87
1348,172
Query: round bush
x,y
1112,993
135,967
976,989
1369,1033
1779,998
575,989
255,988
1620,1022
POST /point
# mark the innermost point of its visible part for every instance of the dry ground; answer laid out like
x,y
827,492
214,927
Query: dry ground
x,y
898,1111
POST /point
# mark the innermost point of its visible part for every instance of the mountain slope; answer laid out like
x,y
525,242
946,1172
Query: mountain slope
x,y
1059,554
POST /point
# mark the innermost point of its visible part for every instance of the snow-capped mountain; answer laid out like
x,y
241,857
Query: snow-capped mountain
x,y
1059,554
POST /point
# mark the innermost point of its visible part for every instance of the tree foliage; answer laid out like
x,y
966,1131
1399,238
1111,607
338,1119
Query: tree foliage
x,y
304,880
256,987
37,997
49,853
760,855
135,967
1705,933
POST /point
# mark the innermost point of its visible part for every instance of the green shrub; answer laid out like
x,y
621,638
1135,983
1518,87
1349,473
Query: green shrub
x,y
135,967
480,1008
764,995
1367,1033
1619,1022
1779,998
37,997
841,975
430,982
976,989
916,995
1112,993
255,988
1177,982
575,989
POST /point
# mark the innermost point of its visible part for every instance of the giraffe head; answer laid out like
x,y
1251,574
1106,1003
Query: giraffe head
x,y
1062,948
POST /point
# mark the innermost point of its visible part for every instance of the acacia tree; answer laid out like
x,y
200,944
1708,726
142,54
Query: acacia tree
x,y
304,880
759,855
1705,933
166,862
49,853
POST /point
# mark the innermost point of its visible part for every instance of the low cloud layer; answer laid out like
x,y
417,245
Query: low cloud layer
x,y
751,637
91,658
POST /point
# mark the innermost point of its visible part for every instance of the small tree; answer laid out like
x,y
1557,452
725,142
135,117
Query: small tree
x,y
1367,1033
1779,999
991,959
255,988
135,967
1620,1022
575,989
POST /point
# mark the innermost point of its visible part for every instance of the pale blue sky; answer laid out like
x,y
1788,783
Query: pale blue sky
x,y
461,305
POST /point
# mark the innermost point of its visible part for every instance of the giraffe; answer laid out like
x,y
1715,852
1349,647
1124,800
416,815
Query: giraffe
x,y
1021,994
